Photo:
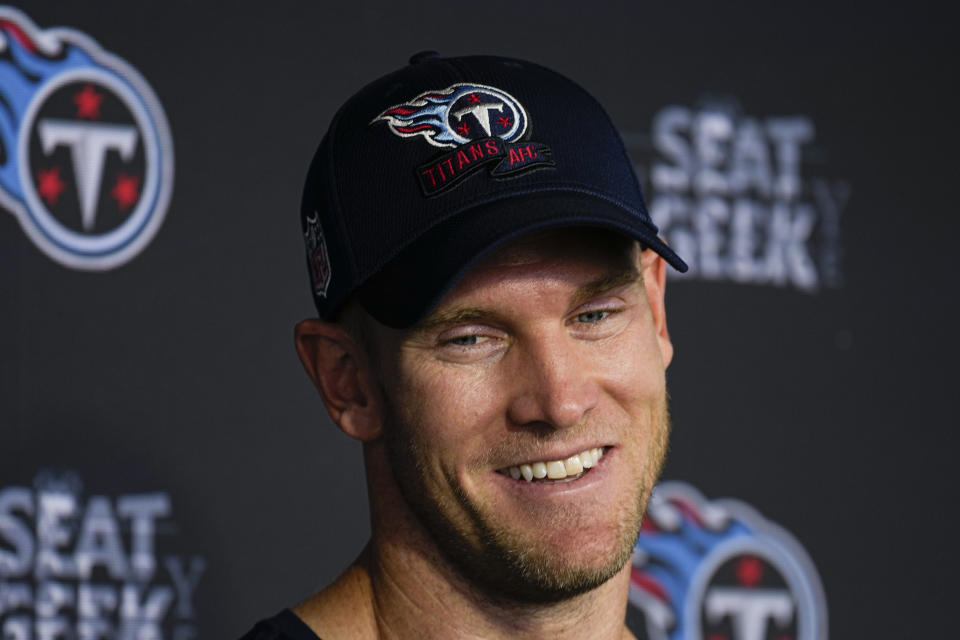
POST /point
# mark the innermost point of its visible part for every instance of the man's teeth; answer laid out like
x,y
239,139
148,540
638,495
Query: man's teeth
x,y
556,469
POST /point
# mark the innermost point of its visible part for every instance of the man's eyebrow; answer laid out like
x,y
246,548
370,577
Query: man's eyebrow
x,y
453,316
605,284
583,293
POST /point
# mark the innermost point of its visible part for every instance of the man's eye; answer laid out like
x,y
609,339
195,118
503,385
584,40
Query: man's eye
x,y
465,341
591,316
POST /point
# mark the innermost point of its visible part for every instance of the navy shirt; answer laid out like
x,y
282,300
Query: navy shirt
x,y
283,626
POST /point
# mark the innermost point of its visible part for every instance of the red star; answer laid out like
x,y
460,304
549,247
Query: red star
x,y
464,129
474,98
49,185
88,102
749,571
126,190
504,121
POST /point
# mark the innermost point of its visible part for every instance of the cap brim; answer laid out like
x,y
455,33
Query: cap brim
x,y
412,283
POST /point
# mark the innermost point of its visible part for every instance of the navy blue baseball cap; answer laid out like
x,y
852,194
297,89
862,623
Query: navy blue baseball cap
x,y
430,167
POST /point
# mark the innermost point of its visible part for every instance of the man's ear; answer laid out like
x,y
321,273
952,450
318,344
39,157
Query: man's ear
x,y
339,369
655,280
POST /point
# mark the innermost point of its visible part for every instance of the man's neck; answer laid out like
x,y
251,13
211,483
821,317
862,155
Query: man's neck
x,y
419,594
395,592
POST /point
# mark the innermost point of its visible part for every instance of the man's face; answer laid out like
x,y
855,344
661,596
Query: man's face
x,y
547,349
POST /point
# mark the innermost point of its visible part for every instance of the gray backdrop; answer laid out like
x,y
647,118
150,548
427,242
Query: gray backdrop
x,y
827,408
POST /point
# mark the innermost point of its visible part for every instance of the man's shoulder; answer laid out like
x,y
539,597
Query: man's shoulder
x,y
283,626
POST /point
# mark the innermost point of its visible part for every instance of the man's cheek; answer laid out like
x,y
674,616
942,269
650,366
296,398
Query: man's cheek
x,y
467,396
633,384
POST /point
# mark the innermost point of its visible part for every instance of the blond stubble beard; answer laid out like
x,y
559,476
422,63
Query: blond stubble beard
x,y
504,567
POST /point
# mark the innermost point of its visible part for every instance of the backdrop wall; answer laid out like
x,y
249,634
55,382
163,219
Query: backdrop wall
x,y
165,463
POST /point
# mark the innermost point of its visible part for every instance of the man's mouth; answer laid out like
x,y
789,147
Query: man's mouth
x,y
556,470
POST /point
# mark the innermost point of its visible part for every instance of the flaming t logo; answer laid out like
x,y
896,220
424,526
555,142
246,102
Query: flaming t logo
x,y
457,115
719,569
86,161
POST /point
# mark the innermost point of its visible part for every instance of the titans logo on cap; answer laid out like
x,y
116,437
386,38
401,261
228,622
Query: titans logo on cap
x,y
86,160
480,123
457,115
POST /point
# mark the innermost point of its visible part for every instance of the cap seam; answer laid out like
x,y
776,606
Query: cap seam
x,y
461,72
337,202
616,135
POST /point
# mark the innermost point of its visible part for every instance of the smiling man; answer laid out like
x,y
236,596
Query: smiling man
x,y
490,290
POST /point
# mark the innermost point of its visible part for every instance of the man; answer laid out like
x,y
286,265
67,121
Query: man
x,y
492,329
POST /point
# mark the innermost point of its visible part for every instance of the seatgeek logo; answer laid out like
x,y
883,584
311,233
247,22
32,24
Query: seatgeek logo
x,y
720,571
744,199
95,567
86,159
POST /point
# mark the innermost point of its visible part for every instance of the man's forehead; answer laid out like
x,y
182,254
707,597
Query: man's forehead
x,y
542,259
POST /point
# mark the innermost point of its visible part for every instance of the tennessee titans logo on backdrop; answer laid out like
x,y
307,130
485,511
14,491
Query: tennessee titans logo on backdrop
x,y
479,122
720,571
86,160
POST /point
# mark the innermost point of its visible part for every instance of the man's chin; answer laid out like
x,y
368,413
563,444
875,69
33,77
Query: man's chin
x,y
554,575
521,568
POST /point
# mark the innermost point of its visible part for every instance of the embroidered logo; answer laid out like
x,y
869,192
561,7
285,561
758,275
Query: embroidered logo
x,y
318,260
86,160
481,124
719,569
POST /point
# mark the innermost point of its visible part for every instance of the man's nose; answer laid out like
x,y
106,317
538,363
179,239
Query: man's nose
x,y
554,385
